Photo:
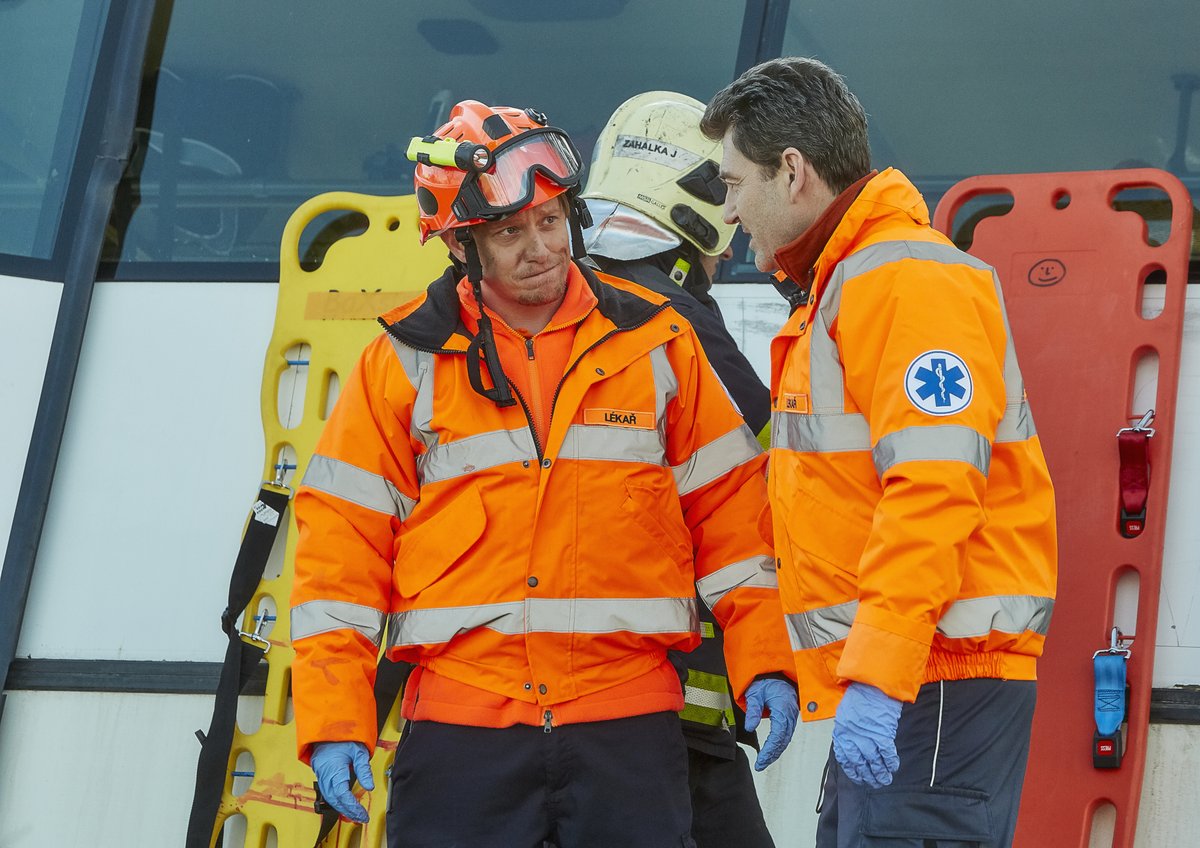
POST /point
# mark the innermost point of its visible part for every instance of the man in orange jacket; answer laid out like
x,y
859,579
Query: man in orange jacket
x,y
913,511
524,484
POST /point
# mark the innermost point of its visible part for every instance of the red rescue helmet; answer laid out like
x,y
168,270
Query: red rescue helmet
x,y
487,162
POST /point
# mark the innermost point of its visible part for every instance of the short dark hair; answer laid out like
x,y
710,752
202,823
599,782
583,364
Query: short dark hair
x,y
794,102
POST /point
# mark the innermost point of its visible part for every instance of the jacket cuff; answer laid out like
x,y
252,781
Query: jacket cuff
x,y
885,650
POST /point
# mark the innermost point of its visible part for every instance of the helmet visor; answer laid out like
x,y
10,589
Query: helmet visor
x,y
508,185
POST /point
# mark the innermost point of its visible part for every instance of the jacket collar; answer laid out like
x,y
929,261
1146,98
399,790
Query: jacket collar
x,y
886,200
434,322
798,258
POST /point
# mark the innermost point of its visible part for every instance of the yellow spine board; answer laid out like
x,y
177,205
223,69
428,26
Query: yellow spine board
x,y
324,316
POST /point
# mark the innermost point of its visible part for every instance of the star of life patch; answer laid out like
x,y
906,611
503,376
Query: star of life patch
x,y
938,382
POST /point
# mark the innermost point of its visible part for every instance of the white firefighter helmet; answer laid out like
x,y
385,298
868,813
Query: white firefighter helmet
x,y
653,158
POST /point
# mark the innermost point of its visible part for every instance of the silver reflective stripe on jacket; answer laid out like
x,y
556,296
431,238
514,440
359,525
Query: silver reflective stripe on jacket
x,y
716,459
353,484
965,619
756,572
445,461
316,617
938,442
545,615
628,444
475,453
829,433
612,444
708,462
666,387
441,462
419,367
829,428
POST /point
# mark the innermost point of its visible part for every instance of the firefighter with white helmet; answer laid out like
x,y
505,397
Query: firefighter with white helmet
x,y
655,200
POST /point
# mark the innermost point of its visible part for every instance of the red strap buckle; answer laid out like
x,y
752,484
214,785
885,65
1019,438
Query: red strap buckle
x,y
1133,444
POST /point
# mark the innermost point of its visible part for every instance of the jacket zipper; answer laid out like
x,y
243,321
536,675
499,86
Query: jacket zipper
x,y
547,725
537,443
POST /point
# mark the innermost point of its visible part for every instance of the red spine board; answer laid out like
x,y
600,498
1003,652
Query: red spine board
x,y
1073,279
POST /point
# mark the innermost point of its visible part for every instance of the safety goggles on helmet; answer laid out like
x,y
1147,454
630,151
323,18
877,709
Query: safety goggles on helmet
x,y
508,184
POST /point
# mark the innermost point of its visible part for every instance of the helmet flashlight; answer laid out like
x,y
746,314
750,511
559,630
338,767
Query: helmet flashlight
x,y
448,153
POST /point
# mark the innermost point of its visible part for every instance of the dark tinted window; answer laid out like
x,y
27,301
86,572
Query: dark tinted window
x,y
250,109
956,89
47,56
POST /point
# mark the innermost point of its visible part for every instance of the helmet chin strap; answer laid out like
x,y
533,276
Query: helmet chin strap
x,y
485,340
581,218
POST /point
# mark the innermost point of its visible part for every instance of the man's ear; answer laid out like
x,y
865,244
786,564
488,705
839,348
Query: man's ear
x,y
796,167
454,245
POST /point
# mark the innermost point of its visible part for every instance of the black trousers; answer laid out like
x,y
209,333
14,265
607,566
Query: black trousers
x,y
725,808
592,785
963,747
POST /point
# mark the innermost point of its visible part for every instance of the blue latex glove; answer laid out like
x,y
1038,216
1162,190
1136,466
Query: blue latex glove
x,y
864,735
333,763
783,708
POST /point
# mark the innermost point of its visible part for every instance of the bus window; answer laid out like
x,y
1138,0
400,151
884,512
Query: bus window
x,y
47,56
249,110
952,90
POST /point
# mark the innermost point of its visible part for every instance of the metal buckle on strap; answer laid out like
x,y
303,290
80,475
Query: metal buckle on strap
x,y
1118,643
281,469
1143,426
257,636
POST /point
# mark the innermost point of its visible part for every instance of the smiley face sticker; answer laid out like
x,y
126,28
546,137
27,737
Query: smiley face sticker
x,y
1047,272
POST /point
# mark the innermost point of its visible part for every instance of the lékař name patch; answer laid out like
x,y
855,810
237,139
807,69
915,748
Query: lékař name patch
x,y
619,418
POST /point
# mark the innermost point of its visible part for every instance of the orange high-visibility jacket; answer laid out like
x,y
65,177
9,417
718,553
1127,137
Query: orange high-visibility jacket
x,y
542,573
912,507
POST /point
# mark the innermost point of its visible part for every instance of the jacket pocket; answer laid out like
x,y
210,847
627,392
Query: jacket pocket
x,y
429,549
644,507
822,569
954,818
838,543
